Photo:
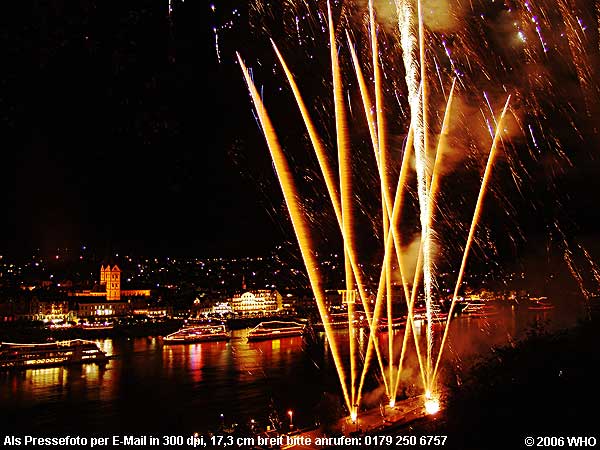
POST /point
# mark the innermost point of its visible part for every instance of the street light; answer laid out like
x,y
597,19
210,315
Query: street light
x,y
291,414
222,421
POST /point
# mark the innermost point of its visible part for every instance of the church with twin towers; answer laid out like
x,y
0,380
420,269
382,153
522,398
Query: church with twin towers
x,y
111,278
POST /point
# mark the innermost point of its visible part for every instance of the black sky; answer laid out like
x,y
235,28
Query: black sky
x,y
119,130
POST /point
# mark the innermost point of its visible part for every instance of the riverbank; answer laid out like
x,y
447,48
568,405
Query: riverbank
x,y
28,332
544,386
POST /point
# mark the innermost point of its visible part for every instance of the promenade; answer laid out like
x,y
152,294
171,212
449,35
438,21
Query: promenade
x,y
368,422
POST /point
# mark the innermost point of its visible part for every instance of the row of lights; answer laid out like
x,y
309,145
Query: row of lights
x,y
290,413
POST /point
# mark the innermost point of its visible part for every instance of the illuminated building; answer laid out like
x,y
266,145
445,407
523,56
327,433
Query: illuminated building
x,y
141,308
153,311
258,302
135,292
110,286
105,299
111,278
6,312
222,308
51,311
102,309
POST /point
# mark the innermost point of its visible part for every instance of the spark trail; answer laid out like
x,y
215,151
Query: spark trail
x,y
383,178
298,222
435,184
332,191
416,52
424,193
474,223
387,206
345,168
413,47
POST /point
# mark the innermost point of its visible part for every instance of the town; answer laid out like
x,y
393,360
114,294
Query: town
x,y
80,288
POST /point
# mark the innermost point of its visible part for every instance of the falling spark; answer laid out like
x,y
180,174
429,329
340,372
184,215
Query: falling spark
x,y
424,192
413,45
217,45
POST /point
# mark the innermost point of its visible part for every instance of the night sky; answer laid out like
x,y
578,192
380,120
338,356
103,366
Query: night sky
x,y
124,130
120,131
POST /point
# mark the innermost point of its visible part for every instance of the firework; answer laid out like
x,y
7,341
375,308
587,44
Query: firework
x,y
430,60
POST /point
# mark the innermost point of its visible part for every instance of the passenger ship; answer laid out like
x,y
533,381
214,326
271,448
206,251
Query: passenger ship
x,y
97,326
437,315
398,322
200,333
480,309
540,304
275,329
26,356
335,322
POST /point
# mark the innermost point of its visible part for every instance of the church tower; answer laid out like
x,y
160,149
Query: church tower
x,y
112,278
103,274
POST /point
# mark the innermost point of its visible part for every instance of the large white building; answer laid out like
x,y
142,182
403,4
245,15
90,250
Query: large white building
x,y
256,302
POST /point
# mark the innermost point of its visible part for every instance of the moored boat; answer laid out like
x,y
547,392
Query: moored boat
x,y
479,309
200,333
275,329
540,304
335,321
419,312
26,356
398,322
437,315
97,326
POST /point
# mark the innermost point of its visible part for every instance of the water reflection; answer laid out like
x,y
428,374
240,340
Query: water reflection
x,y
56,384
194,358
106,345
150,386
46,378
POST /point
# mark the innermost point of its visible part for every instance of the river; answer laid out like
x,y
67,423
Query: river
x,y
196,388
